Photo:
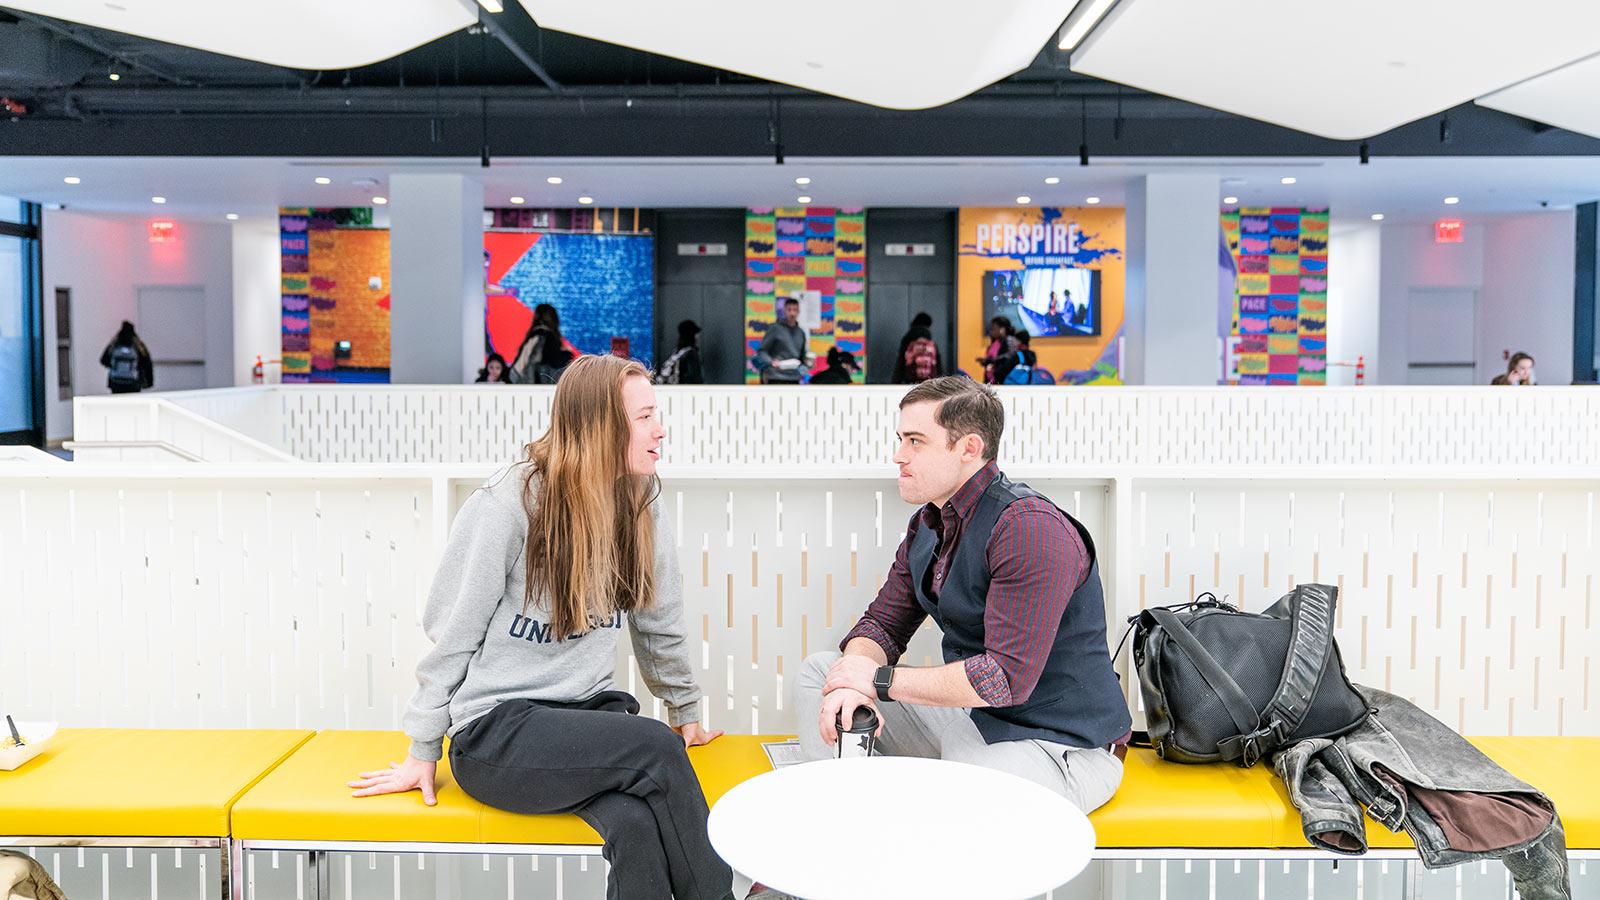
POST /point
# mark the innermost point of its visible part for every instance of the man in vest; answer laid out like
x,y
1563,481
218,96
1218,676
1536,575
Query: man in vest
x,y
1027,686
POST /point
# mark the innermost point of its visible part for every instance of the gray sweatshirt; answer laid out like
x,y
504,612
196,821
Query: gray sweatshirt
x,y
486,651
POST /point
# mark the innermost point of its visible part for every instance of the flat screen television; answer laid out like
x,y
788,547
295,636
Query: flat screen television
x,y
1055,301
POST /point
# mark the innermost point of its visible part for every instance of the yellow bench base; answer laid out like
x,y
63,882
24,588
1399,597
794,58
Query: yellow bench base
x,y
306,799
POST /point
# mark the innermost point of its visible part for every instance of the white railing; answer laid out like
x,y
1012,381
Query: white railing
x,y
155,429
1129,426
274,595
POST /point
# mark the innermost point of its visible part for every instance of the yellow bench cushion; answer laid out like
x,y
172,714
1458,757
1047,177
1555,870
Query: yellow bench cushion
x,y
138,783
306,798
1164,804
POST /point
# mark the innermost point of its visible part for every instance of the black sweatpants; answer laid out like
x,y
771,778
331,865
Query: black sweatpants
x,y
625,775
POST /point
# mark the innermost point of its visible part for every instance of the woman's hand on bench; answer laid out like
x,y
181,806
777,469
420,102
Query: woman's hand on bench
x,y
694,736
399,778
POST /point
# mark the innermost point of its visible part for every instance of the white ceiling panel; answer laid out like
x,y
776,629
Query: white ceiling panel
x,y
1568,98
1341,69
298,34
896,55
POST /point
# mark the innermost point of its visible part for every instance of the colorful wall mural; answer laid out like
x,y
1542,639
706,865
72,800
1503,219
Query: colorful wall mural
x,y
603,285
817,254
335,288
1278,287
1059,271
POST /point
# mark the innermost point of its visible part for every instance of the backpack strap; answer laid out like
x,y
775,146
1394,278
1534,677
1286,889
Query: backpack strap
x,y
1309,608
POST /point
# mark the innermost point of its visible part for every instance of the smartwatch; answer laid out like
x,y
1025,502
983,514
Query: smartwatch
x,y
882,680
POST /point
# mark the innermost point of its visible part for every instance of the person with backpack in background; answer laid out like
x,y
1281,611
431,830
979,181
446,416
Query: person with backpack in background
x,y
683,366
918,357
127,360
1024,360
544,354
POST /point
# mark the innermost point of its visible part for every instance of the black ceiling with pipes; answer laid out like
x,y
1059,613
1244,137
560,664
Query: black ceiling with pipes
x,y
515,90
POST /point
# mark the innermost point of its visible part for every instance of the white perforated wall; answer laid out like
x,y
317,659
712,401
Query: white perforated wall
x,y
1110,426
216,596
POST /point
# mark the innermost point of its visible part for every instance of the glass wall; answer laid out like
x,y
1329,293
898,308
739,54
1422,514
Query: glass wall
x,y
21,391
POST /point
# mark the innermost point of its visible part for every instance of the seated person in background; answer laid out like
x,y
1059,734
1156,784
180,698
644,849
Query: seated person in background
x,y
1012,581
494,371
1519,370
841,365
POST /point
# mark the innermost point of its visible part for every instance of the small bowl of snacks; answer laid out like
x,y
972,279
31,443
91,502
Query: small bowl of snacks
x,y
22,741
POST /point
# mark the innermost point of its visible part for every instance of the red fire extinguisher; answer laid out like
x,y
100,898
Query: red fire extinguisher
x,y
1361,370
257,374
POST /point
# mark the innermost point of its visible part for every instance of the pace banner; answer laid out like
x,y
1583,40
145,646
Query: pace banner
x,y
817,255
1274,270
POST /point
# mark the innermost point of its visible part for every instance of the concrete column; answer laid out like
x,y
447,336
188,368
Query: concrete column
x,y
1171,314
436,279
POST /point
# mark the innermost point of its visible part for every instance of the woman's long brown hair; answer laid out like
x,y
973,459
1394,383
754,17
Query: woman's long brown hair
x,y
591,539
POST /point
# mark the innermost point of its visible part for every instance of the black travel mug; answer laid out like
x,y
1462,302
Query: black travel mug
x,y
858,739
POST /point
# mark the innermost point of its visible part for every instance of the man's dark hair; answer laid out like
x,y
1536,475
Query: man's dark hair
x,y
965,407
789,300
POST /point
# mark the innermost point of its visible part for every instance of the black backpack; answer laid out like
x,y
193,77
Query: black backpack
x,y
1225,685
124,366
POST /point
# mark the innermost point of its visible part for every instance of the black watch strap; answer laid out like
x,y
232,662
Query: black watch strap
x,y
882,680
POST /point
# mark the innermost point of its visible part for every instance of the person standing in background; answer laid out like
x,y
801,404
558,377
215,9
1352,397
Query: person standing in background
x,y
784,353
543,353
918,357
129,368
1519,370
999,358
683,366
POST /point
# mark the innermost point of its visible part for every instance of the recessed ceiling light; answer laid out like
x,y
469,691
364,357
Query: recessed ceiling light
x,y
72,179
1230,200
586,200
1452,201
518,200
1287,179
379,201
114,76
1377,217
158,199
802,199
233,217
802,181
1091,200
1052,180
1024,199
323,179
553,179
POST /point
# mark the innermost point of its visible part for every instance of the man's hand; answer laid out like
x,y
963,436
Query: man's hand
x,y
694,736
841,705
854,672
399,777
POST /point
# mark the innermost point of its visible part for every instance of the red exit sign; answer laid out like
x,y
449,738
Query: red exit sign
x,y
163,231
1447,231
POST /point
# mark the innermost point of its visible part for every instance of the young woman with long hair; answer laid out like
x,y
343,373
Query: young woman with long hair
x,y
544,566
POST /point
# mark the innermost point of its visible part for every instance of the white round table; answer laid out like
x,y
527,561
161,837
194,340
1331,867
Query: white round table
x,y
890,826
